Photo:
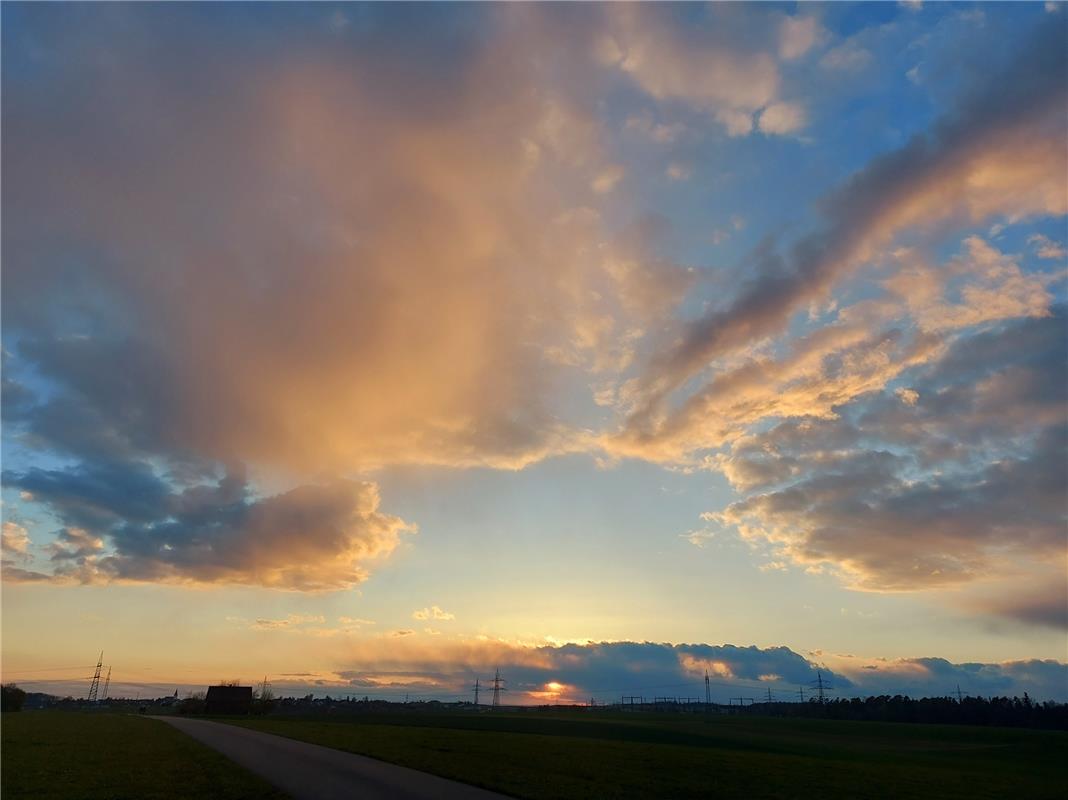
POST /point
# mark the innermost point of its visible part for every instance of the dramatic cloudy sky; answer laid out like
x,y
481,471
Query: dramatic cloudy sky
x,y
371,347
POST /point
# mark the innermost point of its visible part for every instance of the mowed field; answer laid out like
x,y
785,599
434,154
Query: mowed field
x,y
47,755
581,755
552,755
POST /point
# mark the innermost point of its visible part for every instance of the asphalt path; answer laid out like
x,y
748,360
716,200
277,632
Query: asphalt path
x,y
312,772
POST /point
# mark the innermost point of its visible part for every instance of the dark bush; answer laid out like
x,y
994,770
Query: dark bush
x,y
263,701
11,697
194,704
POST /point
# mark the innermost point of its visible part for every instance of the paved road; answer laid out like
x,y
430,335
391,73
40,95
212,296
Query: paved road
x,y
311,772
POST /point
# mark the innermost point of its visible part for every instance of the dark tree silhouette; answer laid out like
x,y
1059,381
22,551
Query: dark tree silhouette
x,y
11,697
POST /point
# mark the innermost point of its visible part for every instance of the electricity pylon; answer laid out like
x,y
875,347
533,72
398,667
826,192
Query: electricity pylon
x,y
497,688
94,687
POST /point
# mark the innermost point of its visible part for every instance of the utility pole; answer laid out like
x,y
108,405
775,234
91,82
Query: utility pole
x,y
708,691
769,695
94,687
107,683
476,691
801,691
497,688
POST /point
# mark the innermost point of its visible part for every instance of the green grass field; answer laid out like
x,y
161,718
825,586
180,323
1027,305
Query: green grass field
x,y
48,755
578,755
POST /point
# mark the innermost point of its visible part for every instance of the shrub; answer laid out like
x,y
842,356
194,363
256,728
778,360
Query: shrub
x,y
11,697
263,701
194,704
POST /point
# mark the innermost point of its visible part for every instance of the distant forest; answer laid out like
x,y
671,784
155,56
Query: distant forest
x,y
1012,712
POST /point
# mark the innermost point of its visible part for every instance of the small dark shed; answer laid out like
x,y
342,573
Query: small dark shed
x,y
228,700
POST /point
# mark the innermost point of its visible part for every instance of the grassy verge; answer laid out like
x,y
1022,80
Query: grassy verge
x,y
581,756
49,755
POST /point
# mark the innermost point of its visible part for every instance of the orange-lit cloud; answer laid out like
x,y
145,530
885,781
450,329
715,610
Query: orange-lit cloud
x,y
862,348
434,613
977,163
311,538
383,279
672,63
14,541
330,266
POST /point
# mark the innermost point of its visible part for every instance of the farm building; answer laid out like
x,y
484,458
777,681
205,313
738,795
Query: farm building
x,y
228,700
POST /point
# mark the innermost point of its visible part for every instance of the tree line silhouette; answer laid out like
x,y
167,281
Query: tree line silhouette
x,y
1015,712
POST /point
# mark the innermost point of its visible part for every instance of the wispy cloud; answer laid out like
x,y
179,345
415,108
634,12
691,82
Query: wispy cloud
x,y
1047,248
433,612
289,621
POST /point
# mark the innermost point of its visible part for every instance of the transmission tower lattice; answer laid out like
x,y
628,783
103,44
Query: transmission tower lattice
x,y
497,683
107,683
708,691
821,687
94,687
476,691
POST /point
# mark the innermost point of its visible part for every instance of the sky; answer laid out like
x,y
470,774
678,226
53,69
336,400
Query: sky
x,y
374,347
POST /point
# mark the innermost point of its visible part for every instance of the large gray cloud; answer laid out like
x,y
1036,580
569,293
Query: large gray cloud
x,y
604,669
125,523
607,670
266,241
303,247
951,478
